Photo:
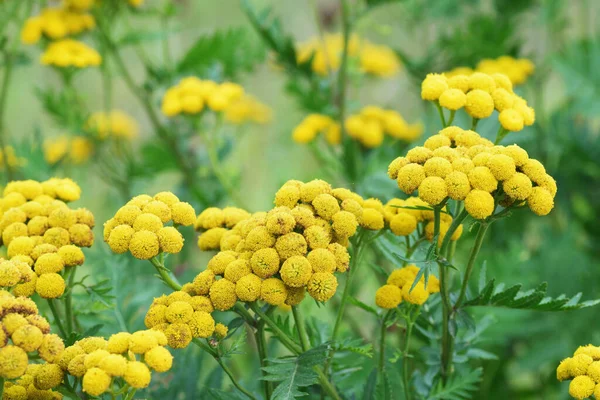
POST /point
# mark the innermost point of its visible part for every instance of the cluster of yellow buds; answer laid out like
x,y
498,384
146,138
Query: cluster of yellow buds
x,y
115,124
327,52
70,53
12,160
73,150
399,288
25,333
56,23
584,370
517,69
139,226
215,225
276,256
372,123
480,94
192,95
403,216
43,233
461,165
314,124
183,315
248,109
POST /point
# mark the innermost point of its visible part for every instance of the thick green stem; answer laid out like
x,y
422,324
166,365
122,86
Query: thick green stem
x,y
471,263
451,119
283,337
70,272
165,276
261,344
474,123
57,317
410,322
130,395
446,305
301,328
382,332
500,134
225,368
1,387
441,113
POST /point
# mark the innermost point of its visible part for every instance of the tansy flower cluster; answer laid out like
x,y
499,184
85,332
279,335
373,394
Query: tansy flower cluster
x,y
275,256
115,124
192,95
372,123
403,216
70,53
183,316
314,124
73,150
42,232
398,288
326,55
140,225
480,94
517,69
9,157
56,23
460,165
25,333
583,369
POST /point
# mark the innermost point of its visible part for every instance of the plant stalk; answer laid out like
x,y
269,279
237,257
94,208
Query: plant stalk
x,y
164,274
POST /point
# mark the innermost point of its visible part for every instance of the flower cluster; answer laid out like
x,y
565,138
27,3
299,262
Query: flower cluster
x,y
182,316
314,124
326,55
480,94
9,157
517,69
73,150
139,226
43,233
399,288
460,165
23,332
403,216
115,124
70,53
372,123
56,23
192,95
275,256
584,370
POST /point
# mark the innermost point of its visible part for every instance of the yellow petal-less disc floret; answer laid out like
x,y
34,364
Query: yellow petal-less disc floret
x,y
296,271
322,286
248,288
453,99
388,296
479,104
137,375
273,291
222,294
144,245
479,204
96,381
433,86
581,387
433,190
159,359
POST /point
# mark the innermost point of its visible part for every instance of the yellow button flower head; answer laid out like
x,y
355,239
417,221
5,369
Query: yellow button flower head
x,y
433,190
222,294
410,177
114,364
479,204
296,271
289,245
273,291
96,381
540,201
322,286
457,185
403,224
169,239
280,223
453,99
120,238
219,262
418,294
590,350
137,375
433,86
202,324
479,104
459,81
50,285
582,387
372,219
178,311
511,120
183,213
13,362
237,269
48,376
178,335
388,296
28,337
482,178
437,166
248,288
159,359
70,53
144,245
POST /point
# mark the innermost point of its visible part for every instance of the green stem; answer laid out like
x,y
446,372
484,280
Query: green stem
x,y
56,316
500,134
441,113
301,328
130,395
164,273
262,356
456,221
225,368
70,272
471,263
446,305
451,119
382,333
326,385
474,123
1,387
283,337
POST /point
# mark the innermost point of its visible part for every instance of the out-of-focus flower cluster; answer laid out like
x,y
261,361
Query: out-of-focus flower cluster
x,y
70,53
480,94
372,123
9,157
326,54
41,232
516,69
399,288
193,95
56,23
583,369
69,149
314,124
461,165
115,125
140,225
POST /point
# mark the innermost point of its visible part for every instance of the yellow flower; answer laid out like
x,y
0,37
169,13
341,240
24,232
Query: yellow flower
x,y
280,223
437,166
114,364
159,359
511,120
417,295
169,239
288,195
95,381
28,337
479,104
482,178
55,150
273,291
457,185
540,201
221,331
222,294
378,60
289,245
71,255
372,219
579,364
403,224
50,286
388,296
433,190
248,288
120,237
296,271
178,335
13,362
433,86
344,223
70,53
183,213
581,387
479,204
218,263
202,324
453,99
118,343
48,376
322,286
116,124
237,269
144,245
482,81
410,177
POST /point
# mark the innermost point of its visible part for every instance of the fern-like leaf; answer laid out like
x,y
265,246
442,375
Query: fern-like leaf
x,y
460,387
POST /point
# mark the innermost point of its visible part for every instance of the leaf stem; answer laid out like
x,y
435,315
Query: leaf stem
x,y
301,328
500,134
474,123
56,316
441,113
410,322
283,337
382,332
483,226
164,273
70,272
446,305
451,119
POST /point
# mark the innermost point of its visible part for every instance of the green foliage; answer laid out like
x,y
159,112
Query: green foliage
x,y
295,373
224,53
460,386
496,295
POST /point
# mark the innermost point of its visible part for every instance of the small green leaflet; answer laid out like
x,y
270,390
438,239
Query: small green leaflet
x,y
459,387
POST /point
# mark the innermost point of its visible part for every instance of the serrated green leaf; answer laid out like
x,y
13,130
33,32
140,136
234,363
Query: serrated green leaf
x,y
360,304
459,387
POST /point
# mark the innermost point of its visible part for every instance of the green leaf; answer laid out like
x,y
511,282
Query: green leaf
x,y
362,305
493,295
295,373
459,387
229,52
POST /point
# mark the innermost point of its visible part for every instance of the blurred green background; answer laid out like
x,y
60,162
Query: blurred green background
x,y
562,40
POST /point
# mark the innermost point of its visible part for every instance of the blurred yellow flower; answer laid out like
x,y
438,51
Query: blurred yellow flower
x,y
76,150
56,23
116,124
70,53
